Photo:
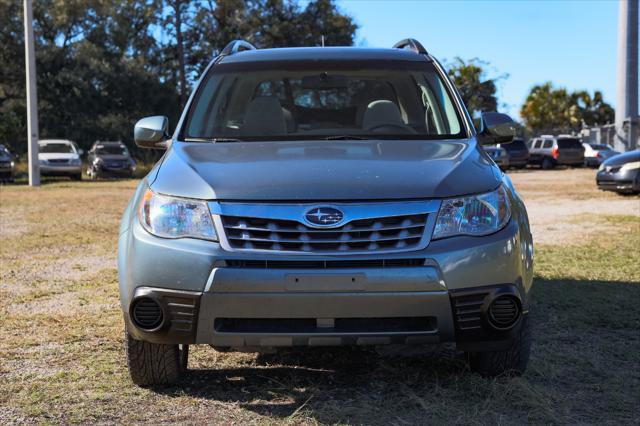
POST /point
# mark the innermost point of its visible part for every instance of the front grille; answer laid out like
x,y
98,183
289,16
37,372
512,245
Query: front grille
x,y
467,310
363,235
58,161
323,264
339,325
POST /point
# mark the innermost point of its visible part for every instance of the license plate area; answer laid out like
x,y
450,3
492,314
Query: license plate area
x,y
325,282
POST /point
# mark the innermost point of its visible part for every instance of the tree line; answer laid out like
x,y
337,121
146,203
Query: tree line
x,y
101,65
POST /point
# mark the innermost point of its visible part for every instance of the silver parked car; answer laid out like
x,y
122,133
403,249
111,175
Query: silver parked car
x,y
322,197
59,157
620,173
595,153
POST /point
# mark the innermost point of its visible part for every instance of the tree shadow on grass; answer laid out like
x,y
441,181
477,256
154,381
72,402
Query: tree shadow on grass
x,y
395,385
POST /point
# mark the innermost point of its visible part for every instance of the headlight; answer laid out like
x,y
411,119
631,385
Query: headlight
x,y
13,164
601,168
630,166
473,215
170,217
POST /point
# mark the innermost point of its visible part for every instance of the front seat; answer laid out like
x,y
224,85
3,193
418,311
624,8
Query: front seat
x,y
264,117
384,116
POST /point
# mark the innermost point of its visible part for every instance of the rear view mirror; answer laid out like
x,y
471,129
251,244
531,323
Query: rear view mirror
x,y
325,81
496,128
152,132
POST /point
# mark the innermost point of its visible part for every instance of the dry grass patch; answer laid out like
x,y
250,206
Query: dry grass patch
x,y
62,360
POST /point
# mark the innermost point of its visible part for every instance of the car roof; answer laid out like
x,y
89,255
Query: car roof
x,y
324,53
65,141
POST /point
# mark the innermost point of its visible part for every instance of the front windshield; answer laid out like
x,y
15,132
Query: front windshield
x,y
112,150
323,100
58,148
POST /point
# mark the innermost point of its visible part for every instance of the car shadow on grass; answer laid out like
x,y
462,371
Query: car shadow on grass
x,y
352,384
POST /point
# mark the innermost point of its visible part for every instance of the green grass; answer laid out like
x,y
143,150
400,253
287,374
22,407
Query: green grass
x,y
62,360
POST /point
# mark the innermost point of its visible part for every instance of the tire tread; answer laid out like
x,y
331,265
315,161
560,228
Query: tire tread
x,y
152,364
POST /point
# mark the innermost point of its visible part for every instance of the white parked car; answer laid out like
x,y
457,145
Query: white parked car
x,y
595,154
59,157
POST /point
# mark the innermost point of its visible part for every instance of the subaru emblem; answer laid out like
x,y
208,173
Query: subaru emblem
x,y
323,216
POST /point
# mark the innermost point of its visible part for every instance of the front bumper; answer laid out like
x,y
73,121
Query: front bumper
x,y
59,170
224,302
115,171
619,181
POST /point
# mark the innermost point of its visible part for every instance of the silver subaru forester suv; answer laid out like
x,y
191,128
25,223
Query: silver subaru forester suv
x,y
324,197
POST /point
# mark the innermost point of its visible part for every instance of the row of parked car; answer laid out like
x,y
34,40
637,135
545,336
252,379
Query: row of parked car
x,y
549,151
617,172
62,157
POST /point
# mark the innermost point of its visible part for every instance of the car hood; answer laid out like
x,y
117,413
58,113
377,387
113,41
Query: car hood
x,y
57,155
620,159
325,170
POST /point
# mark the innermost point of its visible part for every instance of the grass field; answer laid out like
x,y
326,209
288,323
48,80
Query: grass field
x,y
62,359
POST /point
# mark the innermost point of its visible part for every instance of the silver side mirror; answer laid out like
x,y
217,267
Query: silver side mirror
x,y
152,132
496,128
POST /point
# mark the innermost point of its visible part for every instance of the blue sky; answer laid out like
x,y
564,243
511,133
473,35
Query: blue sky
x,y
569,42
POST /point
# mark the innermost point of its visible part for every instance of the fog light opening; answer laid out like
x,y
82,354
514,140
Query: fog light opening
x,y
504,312
147,314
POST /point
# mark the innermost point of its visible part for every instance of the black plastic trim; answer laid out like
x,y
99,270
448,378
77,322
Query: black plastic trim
x,y
180,311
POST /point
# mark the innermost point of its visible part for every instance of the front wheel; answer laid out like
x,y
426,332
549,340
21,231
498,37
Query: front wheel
x,y
77,176
152,364
512,361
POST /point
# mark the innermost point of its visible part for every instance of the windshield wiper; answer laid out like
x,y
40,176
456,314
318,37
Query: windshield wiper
x,y
345,138
214,140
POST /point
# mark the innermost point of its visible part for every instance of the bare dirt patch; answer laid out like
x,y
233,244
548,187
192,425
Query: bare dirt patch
x,y
565,206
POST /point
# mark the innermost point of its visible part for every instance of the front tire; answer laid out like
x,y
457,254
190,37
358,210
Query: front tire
x,y
77,176
153,364
512,361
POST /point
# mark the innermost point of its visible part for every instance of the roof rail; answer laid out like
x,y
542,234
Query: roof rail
x,y
236,46
411,44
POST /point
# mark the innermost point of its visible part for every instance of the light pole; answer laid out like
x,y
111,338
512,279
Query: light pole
x,y
32,97
627,78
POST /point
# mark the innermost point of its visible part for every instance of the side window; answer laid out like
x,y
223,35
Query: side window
x,y
548,144
536,143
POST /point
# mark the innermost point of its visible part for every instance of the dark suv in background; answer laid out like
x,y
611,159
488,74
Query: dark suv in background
x,y
7,164
110,159
517,153
550,151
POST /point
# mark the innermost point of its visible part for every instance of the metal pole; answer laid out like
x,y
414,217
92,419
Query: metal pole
x,y
627,77
32,97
